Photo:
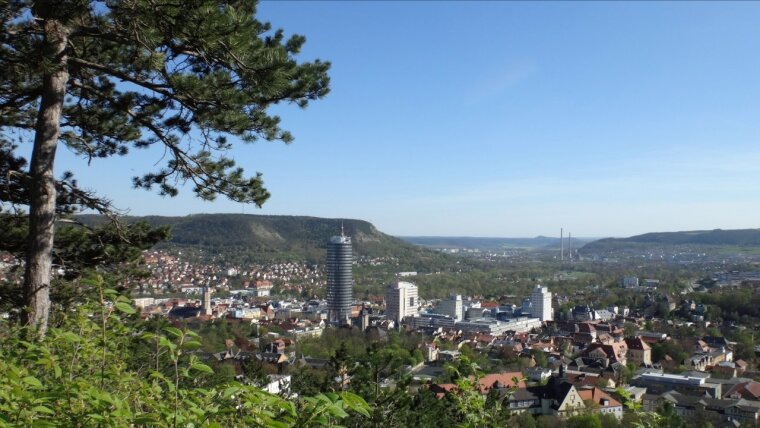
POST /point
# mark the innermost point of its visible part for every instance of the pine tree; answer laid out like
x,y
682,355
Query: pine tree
x,y
105,77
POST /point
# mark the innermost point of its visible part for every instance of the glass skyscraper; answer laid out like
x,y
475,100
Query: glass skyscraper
x,y
340,283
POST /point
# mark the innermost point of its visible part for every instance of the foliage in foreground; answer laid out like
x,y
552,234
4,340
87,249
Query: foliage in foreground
x,y
100,366
83,373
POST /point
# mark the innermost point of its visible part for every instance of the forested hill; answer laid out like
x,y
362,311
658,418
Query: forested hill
x,y
492,244
273,237
717,237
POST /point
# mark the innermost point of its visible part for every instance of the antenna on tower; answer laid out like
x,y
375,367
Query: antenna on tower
x,y
341,229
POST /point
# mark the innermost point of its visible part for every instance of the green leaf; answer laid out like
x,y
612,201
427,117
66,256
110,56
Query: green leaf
x,y
230,391
124,307
146,419
70,337
193,344
32,381
43,409
174,331
202,368
337,410
355,403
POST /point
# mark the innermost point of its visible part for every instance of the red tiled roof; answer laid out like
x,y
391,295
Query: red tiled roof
x,y
598,396
485,383
580,379
505,380
637,343
747,390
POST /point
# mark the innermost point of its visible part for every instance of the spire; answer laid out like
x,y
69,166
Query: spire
x,y
341,229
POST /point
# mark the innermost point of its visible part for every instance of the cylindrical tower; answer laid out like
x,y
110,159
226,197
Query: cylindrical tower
x,y
340,282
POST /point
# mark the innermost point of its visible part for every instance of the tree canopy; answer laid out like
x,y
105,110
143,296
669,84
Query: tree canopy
x,y
106,77
182,75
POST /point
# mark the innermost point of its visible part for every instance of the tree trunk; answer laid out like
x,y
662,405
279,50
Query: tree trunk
x,y
39,255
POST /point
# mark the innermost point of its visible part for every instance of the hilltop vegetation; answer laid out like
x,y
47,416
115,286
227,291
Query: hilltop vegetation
x,y
705,239
491,244
275,238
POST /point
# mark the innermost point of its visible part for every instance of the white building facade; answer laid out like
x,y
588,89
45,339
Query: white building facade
x,y
541,304
401,300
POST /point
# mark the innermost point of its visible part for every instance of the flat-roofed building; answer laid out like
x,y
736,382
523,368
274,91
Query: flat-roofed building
x,y
401,300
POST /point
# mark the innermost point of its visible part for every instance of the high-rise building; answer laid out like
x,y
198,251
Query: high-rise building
x,y
541,304
207,301
401,300
452,306
340,282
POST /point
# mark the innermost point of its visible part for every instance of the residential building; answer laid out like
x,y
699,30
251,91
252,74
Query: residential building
x,y
719,412
615,352
262,288
749,390
629,282
563,399
278,384
639,352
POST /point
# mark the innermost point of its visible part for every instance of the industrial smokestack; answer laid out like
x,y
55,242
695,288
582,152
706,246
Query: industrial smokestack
x,y
561,244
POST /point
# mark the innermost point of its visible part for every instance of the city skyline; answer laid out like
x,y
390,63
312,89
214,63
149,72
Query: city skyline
x,y
506,120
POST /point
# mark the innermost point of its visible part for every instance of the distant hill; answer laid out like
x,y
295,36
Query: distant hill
x,y
491,244
269,237
717,237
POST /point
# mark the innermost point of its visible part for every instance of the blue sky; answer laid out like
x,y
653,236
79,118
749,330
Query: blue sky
x,y
507,119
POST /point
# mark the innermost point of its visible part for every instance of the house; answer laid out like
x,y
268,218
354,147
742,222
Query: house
x,y
557,398
498,381
615,352
703,361
639,352
598,400
538,374
720,412
276,346
278,384
749,390
441,389
715,341
561,398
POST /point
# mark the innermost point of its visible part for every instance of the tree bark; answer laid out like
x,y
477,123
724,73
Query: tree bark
x,y
39,255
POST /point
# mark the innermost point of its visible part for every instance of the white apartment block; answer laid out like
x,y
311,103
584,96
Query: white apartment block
x,y
401,300
541,304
